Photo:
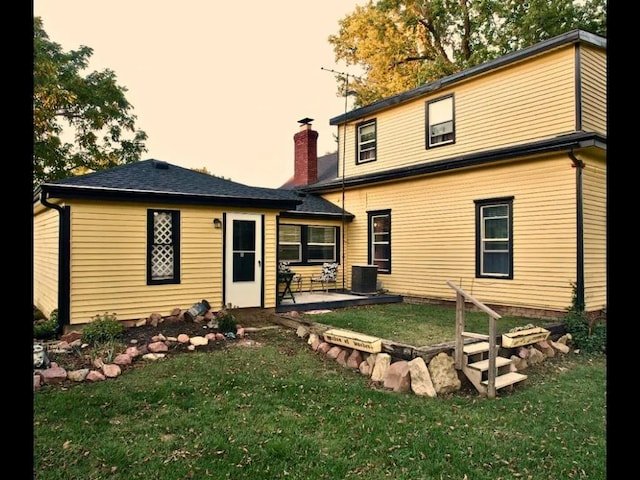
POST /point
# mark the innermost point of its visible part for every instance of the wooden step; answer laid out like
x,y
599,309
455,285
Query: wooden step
x,y
483,365
478,347
506,379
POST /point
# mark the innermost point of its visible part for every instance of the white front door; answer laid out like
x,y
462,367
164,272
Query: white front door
x,y
243,260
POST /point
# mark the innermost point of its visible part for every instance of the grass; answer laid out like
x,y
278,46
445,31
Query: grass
x,y
416,325
280,410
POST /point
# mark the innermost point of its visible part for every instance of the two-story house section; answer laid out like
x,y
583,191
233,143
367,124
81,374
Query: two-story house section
x,y
493,178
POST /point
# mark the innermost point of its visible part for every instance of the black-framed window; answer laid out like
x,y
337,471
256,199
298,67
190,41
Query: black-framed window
x,y
440,122
163,247
379,239
308,244
494,238
366,136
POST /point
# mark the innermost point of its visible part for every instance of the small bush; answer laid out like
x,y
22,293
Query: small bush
x,y
587,336
43,328
226,321
589,339
102,329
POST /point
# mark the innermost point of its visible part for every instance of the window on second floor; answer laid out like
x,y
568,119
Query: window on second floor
x,y
380,240
366,138
440,122
308,244
494,238
163,247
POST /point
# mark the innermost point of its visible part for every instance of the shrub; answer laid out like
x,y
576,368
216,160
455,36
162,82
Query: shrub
x,y
589,337
43,328
102,329
226,321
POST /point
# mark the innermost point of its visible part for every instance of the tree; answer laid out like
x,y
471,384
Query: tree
x,y
93,107
402,44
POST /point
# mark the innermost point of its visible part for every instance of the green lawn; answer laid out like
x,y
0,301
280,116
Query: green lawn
x,y
413,324
280,410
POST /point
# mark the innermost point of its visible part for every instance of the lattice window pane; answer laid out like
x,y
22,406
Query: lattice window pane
x,y
162,254
162,262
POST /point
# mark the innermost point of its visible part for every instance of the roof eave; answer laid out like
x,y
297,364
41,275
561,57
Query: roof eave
x,y
560,40
96,193
569,142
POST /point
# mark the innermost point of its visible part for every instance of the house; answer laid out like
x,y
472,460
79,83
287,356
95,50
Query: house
x,y
493,178
151,237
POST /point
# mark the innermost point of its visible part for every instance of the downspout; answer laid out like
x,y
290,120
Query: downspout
x,y
63,260
579,166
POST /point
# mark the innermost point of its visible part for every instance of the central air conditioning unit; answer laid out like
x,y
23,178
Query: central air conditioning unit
x,y
364,279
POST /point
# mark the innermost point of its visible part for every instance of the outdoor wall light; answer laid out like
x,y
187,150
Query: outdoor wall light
x,y
217,223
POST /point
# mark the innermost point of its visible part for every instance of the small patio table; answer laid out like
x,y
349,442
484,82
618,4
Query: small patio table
x,y
285,279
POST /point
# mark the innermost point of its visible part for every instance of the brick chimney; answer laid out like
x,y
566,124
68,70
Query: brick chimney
x,y
306,154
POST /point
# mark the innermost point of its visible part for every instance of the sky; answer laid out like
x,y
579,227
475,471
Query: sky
x,y
215,84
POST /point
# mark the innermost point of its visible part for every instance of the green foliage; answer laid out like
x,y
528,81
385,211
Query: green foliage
x,y
402,44
102,329
587,335
227,322
43,328
92,108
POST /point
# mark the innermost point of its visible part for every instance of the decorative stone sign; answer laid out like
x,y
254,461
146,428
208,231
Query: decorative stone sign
x,y
526,336
354,340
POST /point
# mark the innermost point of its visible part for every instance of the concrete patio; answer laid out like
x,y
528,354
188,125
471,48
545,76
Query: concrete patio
x,y
318,300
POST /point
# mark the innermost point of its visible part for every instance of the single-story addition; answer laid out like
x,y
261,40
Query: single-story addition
x,y
152,236
493,179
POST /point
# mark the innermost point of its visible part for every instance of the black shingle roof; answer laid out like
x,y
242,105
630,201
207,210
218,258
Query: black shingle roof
x,y
155,180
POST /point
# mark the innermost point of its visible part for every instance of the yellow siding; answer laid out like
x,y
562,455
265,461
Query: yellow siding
x,y
595,234
594,90
433,232
108,266
525,102
46,226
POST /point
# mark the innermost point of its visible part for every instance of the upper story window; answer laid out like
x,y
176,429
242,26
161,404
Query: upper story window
x,y
440,122
308,244
494,238
163,247
380,240
366,137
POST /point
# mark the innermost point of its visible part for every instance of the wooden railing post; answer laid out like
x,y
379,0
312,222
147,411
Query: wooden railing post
x,y
493,352
461,296
460,326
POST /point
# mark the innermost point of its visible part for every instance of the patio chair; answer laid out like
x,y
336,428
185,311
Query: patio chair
x,y
328,276
285,267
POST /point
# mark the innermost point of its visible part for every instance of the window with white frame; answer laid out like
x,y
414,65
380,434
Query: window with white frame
x,y
440,122
366,137
308,244
321,244
290,243
494,238
380,240
163,246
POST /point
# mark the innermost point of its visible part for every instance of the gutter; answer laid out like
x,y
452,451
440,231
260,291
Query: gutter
x,y
579,166
64,251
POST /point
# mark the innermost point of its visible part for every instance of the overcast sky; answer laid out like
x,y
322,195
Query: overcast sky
x,y
215,84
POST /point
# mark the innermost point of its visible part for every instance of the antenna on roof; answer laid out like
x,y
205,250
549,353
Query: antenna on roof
x,y
344,146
